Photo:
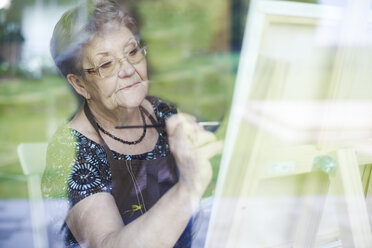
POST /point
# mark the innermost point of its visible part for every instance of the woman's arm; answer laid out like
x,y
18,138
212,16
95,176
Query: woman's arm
x,y
96,222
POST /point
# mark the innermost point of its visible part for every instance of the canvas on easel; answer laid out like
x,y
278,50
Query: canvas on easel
x,y
289,174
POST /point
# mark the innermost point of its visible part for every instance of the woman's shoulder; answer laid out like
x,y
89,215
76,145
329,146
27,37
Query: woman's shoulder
x,y
69,152
63,149
70,143
61,153
64,140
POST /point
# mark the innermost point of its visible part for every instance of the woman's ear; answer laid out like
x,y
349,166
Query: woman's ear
x,y
79,85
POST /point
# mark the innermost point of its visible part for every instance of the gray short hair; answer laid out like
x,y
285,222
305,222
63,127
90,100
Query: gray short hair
x,y
78,26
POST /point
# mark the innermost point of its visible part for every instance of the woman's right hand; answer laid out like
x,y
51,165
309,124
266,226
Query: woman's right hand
x,y
192,147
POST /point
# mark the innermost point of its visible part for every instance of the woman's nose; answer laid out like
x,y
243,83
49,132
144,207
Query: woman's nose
x,y
126,69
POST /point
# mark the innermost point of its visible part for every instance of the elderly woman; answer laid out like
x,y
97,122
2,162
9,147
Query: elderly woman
x,y
131,187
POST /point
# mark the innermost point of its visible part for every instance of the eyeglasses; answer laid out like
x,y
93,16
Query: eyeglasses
x,y
111,65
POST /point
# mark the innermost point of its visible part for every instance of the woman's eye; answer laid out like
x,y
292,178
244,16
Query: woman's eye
x,y
133,52
106,64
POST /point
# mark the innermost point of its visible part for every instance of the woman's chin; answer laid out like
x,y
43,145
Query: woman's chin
x,y
132,99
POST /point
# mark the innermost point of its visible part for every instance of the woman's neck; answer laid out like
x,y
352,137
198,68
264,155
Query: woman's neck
x,y
118,117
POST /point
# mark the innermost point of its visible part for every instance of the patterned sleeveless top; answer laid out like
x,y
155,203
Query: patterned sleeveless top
x,y
77,167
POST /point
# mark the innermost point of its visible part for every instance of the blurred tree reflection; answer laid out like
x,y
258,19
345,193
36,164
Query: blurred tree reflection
x,y
190,61
189,53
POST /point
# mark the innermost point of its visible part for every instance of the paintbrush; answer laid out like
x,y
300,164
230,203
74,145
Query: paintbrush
x,y
208,125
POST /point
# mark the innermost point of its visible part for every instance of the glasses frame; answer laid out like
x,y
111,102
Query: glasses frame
x,y
94,71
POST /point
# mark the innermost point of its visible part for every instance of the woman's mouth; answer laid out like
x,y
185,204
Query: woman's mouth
x,y
131,86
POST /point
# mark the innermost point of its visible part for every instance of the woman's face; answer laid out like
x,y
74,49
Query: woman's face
x,y
128,86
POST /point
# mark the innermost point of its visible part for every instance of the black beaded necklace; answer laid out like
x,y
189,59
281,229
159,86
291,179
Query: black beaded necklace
x,y
125,141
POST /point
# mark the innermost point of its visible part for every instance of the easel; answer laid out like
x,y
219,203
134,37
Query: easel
x,y
347,183
328,169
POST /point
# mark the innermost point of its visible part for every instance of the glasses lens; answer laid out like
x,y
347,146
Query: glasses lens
x,y
108,68
136,55
112,66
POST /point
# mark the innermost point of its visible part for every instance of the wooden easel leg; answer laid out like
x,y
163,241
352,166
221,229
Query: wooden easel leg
x,y
315,193
348,198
